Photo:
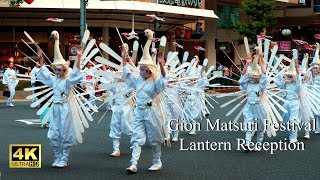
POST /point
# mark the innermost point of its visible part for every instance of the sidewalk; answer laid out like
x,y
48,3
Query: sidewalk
x,y
15,100
20,96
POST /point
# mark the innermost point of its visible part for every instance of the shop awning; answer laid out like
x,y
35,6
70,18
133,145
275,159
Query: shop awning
x,y
289,1
101,14
132,6
112,13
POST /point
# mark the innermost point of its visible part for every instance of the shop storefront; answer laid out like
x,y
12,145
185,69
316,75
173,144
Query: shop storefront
x,y
102,18
12,45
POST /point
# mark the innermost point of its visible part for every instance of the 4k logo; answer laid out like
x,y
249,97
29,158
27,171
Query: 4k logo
x,y
25,156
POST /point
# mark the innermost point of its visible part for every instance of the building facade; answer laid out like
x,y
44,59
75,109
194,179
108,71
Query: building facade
x,y
187,22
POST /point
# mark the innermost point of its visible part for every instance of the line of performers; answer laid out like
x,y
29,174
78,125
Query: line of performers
x,y
144,100
296,85
146,97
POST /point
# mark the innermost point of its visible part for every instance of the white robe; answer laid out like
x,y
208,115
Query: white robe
x,y
192,104
172,109
315,81
90,81
292,95
122,116
254,112
10,79
146,125
61,133
202,84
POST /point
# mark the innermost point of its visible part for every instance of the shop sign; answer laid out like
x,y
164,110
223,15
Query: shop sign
x,y
284,45
73,58
73,50
182,3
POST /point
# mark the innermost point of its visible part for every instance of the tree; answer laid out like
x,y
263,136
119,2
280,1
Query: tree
x,y
260,15
13,3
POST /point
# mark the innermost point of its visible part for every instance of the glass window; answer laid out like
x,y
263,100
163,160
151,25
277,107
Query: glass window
x,y
305,4
228,15
316,7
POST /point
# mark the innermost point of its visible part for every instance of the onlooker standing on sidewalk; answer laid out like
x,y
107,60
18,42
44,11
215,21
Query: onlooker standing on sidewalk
x,y
2,69
10,81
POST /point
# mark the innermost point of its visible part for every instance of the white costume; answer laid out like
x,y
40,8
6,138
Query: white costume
x,y
254,111
10,79
315,81
90,81
291,82
146,125
108,80
33,75
172,111
121,120
172,108
292,95
202,83
61,133
192,105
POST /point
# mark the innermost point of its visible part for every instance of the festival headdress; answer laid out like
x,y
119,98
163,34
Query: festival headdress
x,y
194,65
304,64
57,57
255,69
146,59
292,68
316,60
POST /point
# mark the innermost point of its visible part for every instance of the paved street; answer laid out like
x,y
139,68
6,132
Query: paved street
x,y
91,160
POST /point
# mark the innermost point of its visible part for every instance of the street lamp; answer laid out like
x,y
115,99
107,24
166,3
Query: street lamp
x,y
83,15
223,48
286,32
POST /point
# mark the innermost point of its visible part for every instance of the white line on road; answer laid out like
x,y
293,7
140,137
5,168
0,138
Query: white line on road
x,y
29,121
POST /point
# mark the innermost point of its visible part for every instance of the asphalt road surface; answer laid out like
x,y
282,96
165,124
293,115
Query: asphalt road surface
x,y
91,159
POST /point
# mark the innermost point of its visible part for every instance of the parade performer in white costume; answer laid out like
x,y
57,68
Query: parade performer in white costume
x,y
291,83
10,81
202,83
314,79
172,111
108,80
254,83
61,133
304,119
89,83
121,120
192,104
146,125
304,104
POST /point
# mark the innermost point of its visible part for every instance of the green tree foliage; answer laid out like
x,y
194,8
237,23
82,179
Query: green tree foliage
x,y
13,3
260,14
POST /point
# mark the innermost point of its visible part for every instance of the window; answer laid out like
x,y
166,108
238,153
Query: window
x,y
316,7
228,15
306,4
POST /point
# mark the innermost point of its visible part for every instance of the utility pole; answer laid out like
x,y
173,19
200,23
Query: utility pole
x,y
83,16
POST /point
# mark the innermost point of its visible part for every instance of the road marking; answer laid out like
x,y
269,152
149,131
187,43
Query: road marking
x,y
29,121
